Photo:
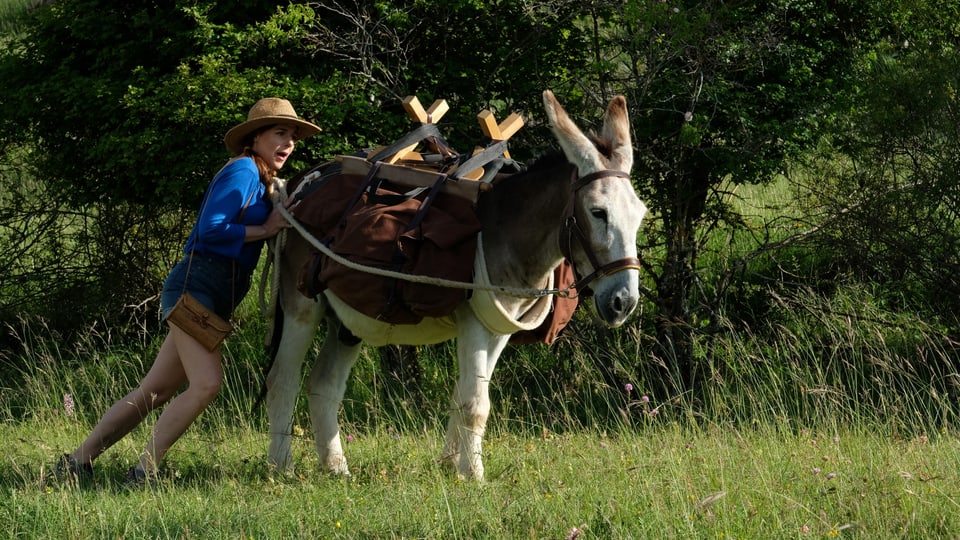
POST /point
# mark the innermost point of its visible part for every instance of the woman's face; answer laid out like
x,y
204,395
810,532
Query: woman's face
x,y
275,144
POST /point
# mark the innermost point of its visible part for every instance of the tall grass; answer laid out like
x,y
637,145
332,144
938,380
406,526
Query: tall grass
x,y
12,13
839,358
815,360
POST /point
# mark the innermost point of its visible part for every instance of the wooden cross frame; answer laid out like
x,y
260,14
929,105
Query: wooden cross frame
x,y
417,113
496,133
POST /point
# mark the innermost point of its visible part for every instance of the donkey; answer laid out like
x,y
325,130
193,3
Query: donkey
x,y
578,204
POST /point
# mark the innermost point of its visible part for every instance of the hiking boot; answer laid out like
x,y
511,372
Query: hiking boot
x,y
138,478
70,470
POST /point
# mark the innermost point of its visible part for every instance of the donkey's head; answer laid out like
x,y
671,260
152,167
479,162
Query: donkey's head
x,y
607,211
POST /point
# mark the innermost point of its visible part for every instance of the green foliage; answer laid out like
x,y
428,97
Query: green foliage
x,y
892,169
740,85
12,13
66,265
476,55
132,101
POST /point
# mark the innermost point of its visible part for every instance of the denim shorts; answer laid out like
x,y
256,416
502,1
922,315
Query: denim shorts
x,y
214,281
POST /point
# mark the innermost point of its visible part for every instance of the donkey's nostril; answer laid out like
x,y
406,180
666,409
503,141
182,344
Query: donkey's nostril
x,y
622,304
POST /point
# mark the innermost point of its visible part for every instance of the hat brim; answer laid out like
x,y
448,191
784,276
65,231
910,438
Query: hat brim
x,y
234,137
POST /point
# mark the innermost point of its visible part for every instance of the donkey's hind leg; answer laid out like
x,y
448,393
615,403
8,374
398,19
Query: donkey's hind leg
x,y
328,382
301,317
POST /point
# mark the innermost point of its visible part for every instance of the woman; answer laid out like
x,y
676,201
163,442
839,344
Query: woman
x,y
220,255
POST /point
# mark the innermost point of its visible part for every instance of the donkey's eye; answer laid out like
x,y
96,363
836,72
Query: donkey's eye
x,y
599,213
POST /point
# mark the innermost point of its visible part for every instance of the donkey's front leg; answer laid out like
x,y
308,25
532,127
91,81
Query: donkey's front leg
x,y
477,354
301,317
328,382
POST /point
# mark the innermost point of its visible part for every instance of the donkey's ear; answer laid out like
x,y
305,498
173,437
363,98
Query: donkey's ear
x,y
616,129
577,147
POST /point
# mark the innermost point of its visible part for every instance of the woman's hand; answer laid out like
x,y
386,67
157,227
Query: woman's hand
x,y
275,223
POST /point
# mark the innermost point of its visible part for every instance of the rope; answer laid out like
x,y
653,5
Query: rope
x,y
520,292
275,248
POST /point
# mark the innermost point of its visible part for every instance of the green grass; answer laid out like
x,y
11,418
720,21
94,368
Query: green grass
x,y
662,481
779,450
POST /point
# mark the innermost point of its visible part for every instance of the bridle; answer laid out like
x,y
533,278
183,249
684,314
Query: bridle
x,y
571,231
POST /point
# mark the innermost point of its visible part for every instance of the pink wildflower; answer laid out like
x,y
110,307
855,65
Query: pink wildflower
x,y
68,405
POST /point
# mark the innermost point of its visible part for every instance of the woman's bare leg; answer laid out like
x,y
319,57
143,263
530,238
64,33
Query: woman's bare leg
x,y
161,382
204,372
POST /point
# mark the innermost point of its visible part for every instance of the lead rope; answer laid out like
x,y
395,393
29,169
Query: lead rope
x,y
521,292
275,247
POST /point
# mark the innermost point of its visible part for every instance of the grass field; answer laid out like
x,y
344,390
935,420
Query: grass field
x,y
682,473
662,481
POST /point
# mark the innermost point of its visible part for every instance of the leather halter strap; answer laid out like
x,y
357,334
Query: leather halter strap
x,y
571,230
590,178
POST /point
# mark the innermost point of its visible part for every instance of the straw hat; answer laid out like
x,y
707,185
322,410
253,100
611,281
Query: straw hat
x,y
267,112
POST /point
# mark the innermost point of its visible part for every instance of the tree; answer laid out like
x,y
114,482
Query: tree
x,y
718,91
121,109
891,172
130,101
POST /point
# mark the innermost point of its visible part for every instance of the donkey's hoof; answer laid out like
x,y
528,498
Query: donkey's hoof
x,y
337,465
449,462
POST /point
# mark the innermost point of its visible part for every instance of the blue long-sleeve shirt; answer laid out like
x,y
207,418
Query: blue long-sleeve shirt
x,y
220,229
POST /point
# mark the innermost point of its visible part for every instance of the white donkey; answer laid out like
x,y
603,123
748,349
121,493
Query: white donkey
x,y
582,207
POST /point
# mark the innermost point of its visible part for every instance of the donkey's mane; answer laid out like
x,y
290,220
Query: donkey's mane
x,y
535,171
514,194
547,160
555,158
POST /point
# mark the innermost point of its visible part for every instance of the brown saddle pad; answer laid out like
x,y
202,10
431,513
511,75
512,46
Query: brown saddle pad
x,y
379,224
